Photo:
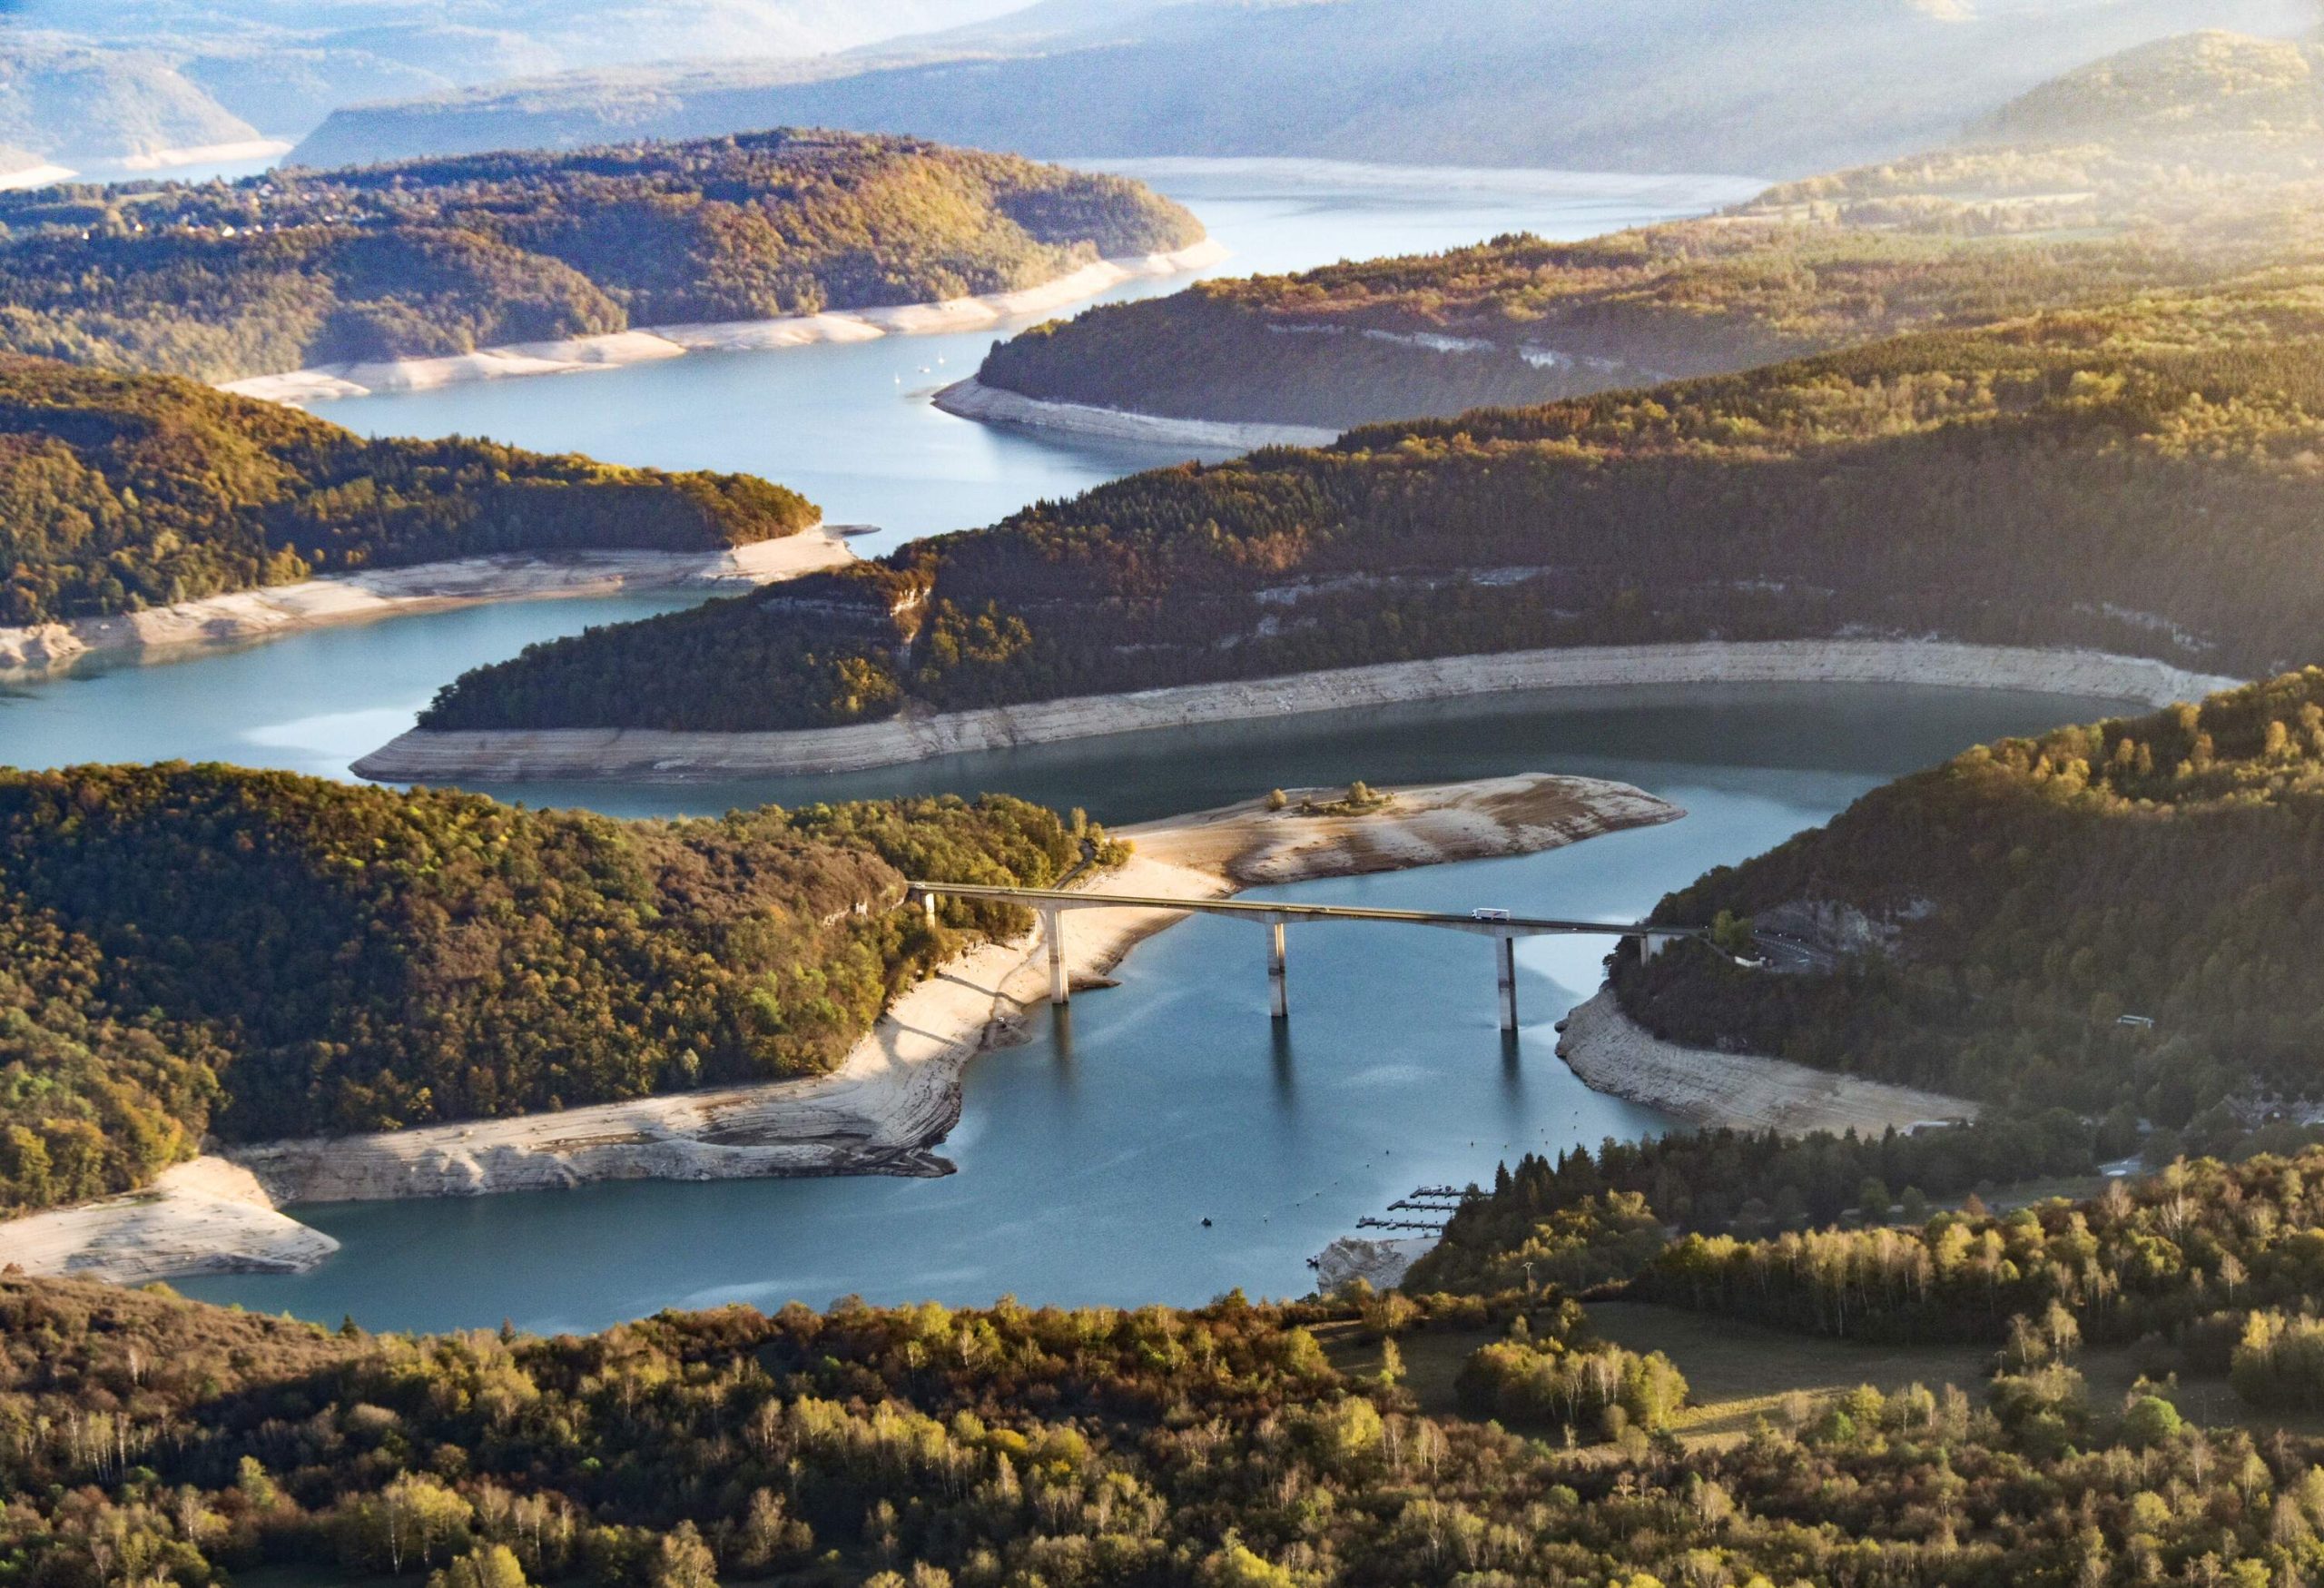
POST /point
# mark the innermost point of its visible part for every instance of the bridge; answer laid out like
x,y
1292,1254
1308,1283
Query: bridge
x,y
1503,928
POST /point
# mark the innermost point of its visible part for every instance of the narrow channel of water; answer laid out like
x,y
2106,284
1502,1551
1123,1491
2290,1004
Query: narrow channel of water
x,y
1089,1157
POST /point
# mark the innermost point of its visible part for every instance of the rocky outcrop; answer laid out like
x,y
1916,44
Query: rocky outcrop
x,y
1381,1264
638,754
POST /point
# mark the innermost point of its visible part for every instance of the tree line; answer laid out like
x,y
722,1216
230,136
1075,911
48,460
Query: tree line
x,y
147,1439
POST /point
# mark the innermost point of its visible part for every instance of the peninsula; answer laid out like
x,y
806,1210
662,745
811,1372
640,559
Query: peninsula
x,y
148,512
2179,162
2119,492
2108,918
879,1109
515,260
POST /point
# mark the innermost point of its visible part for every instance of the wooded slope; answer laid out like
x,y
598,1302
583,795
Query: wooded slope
x,y
192,949
302,268
120,492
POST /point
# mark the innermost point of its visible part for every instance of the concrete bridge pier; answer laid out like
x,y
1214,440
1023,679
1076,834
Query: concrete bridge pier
x,y
1278,985
1053,928
1505,951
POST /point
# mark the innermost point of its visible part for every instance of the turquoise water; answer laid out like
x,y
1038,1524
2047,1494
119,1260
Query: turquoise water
x,y
1089,1157
852,427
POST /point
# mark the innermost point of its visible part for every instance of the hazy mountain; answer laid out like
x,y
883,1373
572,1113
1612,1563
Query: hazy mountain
x,y
61,98
1666,84
91,80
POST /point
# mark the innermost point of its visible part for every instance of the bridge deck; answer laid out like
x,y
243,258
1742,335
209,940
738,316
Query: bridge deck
x,y
1514,926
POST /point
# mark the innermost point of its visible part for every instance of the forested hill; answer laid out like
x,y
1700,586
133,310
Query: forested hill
x,y
2140,479
1982,928
192,949
120,492
301,268
2180,162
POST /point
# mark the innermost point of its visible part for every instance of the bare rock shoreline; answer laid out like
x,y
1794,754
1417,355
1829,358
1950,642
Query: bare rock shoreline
x,y
974,399
897,1095
1614,1054
634,754
276,610
645,345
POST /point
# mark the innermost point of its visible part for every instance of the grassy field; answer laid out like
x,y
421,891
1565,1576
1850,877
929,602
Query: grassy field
x,y
1740,1373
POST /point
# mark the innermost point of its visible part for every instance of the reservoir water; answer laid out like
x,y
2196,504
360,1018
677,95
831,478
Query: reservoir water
x,y
1089,1156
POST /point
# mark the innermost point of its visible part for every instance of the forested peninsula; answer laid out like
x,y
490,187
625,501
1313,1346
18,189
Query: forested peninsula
x,y
301,268
2138,479
1987,927
124,492
2179,162
192,951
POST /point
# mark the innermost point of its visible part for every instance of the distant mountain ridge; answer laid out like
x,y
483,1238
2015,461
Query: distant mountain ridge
x,y
2194,157
93,82
1682,85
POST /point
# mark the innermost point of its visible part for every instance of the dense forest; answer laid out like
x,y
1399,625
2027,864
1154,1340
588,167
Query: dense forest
x,y
300,268
2139,478
2176,163
119,492
1985,927
2207,1268
1587,1218
187,949
145,1439
2182,1265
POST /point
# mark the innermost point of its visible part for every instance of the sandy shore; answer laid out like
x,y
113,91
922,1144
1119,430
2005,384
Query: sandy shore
x,y
974,399
280,609
646,345
896,1096
1612,1053
634,754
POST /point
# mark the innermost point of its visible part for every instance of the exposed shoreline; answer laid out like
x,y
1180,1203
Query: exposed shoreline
x,y
896,1096
272,611
516,756
652,344
993,405
1614,1054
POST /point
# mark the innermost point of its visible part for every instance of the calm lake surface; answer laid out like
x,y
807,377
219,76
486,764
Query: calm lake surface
x,y
1089,1156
